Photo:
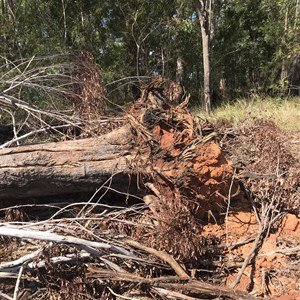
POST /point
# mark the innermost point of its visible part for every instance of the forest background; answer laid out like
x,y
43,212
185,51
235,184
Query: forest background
x,y
252,45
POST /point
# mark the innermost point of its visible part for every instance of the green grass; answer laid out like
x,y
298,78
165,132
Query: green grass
x,y
284,112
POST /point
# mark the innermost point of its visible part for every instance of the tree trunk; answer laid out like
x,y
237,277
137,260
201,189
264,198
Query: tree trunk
x,y
179,69
203,10
296,15
284,70
179,60
64,167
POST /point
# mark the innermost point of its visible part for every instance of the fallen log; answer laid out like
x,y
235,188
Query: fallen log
x,y
183,176
65,167
180,165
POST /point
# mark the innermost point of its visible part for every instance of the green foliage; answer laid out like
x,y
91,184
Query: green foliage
x,y
251,42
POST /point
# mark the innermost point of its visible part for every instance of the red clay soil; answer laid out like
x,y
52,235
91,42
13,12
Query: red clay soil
x,y
187,168
195,172
276,272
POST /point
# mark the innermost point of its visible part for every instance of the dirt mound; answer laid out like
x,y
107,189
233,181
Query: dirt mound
x,y
269,174
187,168
275,271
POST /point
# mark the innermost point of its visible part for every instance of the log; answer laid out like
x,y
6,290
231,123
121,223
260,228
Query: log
x,y
65,167
177,166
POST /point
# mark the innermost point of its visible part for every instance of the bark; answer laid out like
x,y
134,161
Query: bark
x,y
179,61
64,167
204,10
296,15
179,69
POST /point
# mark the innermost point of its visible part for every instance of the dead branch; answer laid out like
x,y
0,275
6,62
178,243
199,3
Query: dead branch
x,y
256,244
121,296
232,244
286,251
22,260
53,237
69,258
171,294
17,139
16,291
188,286
269,215
15,102
5,296
162,255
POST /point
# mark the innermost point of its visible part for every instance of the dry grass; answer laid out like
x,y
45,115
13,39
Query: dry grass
x,y
284,112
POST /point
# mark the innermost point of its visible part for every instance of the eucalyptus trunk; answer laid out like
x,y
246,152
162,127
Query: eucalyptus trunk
x,y
204,11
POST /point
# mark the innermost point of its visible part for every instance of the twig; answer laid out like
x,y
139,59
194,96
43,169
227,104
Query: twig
x,y
5,296
129,78
69,258
7,99
11,274
232,244
146,260
162,255
283,251
59,259
31,133
120,296
16,291
268,217
228,204
21,260
13,122
112,265
171,294
83,209
249,256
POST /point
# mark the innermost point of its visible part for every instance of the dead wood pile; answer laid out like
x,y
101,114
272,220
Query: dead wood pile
x,y
100,248
178,162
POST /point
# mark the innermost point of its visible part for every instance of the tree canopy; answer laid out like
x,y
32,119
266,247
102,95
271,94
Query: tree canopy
x,y
254,46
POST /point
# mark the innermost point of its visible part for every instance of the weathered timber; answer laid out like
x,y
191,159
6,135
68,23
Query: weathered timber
x,y
176,165
65,167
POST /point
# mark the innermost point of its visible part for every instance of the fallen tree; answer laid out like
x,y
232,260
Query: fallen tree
x,y
64,167
162,248
175,163
186,240
178,161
